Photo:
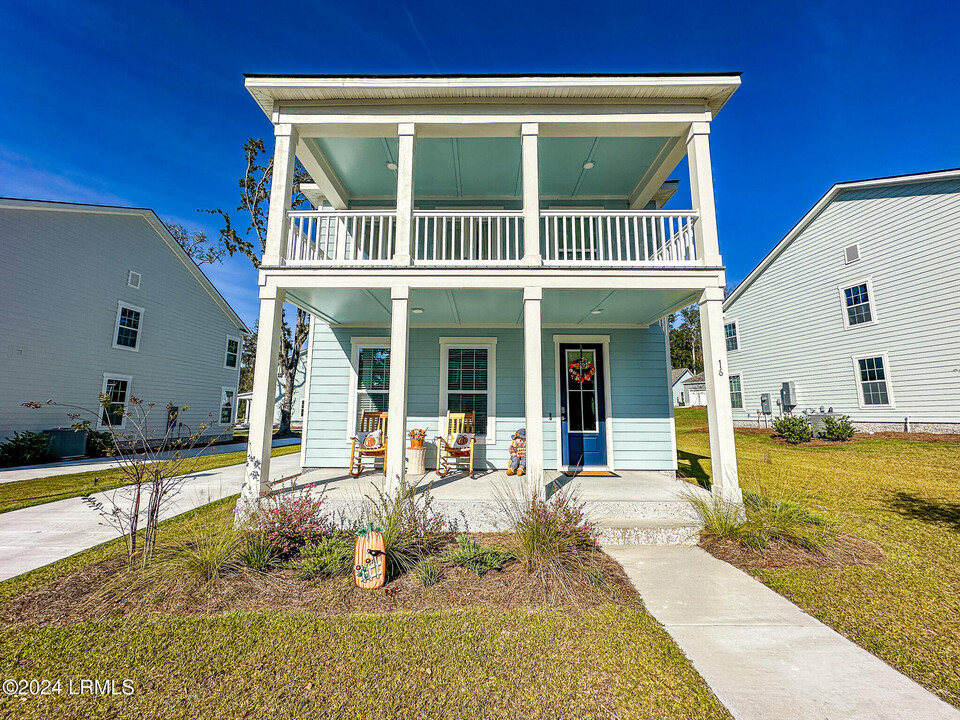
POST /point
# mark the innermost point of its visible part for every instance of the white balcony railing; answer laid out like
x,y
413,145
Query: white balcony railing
x,y
446,237
568,238
351,237
593,238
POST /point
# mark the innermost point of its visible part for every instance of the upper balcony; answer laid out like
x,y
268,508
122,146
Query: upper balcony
x,y
492,172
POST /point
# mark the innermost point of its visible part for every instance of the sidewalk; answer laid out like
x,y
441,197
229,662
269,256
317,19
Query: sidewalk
x,y
762,656
69,467
39,535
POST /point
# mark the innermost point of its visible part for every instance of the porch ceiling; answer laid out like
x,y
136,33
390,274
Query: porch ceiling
x,y
487,169
494,306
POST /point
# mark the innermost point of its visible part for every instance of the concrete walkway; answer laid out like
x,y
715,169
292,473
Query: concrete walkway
x,y
39,535
69,467
763,657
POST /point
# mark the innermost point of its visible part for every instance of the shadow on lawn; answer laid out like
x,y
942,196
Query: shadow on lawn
x,y
918,508
689,465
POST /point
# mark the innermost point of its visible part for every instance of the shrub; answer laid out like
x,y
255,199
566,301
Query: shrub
x,y
26,448
473,556
204,558
428,572
329,556
794,429
290,521
411,527
259,552
99,444
547,530
840,428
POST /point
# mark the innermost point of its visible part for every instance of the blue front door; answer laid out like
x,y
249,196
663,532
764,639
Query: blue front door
x,y
582,409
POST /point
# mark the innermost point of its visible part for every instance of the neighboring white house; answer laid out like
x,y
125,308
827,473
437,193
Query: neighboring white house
x,y
677,377
494,244
102,299
299,397
859,307
695,391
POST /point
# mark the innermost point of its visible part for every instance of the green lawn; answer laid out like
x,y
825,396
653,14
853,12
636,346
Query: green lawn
x,y
612,662
902,494
24,493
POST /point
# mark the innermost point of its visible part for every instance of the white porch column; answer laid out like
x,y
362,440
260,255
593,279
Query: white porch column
x,y
701,193
397,407
533,384
529,148
723,452
281,192
263,403
406,140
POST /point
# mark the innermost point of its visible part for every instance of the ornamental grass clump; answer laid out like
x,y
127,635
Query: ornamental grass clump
x,y
290,521
411,527
428,572
473,556
202,558
259,553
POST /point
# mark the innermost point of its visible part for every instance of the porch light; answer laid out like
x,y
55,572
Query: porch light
x,y
391,165
417,311
588,165
596,312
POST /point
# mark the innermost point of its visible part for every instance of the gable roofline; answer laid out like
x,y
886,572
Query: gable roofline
x,y
151,217
820,206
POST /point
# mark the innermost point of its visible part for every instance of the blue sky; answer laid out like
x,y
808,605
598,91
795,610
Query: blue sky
x,y
143,103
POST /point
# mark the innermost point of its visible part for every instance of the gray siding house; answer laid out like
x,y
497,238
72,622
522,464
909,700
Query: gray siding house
x,y
677,376
859,307
102,299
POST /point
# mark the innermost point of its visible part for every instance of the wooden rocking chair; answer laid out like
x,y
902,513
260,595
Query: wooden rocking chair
x,y
450,453
369,422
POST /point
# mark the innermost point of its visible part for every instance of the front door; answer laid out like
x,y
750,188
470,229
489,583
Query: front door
x,y
582,407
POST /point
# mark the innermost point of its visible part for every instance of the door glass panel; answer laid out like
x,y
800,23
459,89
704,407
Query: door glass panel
x,y
581,391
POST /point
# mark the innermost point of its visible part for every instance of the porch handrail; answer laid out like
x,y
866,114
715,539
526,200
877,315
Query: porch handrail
x,y
467,237
352,237
618,237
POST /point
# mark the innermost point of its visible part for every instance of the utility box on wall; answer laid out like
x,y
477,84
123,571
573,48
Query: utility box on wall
x,y
788,395
765,407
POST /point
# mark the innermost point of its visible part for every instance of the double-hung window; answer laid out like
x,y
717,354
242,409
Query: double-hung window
x,y
468,381
227,397
857,305
127,333
736,393
873,381
116,391
232,358
731,336
370,391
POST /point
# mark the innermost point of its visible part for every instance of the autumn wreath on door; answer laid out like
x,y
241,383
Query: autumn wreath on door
x,y
582,370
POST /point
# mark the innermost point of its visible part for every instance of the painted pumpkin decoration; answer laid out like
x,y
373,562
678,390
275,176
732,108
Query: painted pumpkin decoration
x,y
369,560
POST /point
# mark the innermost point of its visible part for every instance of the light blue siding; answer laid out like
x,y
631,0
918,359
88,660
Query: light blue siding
x,y
640,406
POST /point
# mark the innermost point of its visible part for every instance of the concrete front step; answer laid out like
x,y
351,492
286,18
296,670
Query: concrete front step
x,y
647,531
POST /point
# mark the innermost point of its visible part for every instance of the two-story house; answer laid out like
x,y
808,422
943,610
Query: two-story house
x,y
101,299
494,244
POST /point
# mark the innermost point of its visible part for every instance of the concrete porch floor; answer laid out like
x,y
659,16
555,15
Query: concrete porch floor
x,y
631,506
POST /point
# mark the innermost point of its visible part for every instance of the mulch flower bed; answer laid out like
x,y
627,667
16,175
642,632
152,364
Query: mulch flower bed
x,y
109,589
845,550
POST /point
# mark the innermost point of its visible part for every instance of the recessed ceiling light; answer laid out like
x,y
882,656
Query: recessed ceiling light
x,y
417,311
596,312
391,165
588,165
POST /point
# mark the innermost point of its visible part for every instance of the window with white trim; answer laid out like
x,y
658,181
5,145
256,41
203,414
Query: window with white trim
x,y
129,320
227,397
872,381
856,304
373,380
731,336
468,381
116,389
736,393
232,358
303,405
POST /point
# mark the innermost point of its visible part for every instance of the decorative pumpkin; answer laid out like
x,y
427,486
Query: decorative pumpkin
x,y
582,370
369,560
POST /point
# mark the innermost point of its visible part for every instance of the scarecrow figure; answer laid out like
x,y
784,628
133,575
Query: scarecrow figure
x,y
518,453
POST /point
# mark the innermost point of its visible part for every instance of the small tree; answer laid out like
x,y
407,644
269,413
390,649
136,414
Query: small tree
x,y
154,477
